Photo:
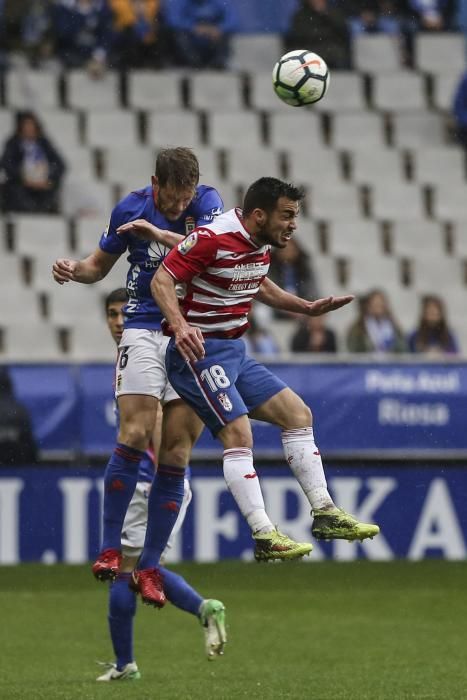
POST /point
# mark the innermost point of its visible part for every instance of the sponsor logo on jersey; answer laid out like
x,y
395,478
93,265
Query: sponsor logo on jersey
x,y
190,225
186,245
225,402
212,214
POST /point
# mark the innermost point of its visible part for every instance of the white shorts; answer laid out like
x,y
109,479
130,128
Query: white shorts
x,y
134,525
141,365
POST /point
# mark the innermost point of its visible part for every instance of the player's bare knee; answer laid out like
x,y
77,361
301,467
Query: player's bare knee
x,y
236,434
299,417
176,456
135,435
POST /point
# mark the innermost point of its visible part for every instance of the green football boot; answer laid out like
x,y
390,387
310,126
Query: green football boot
x,y
336,524
212,618
129,672
274,546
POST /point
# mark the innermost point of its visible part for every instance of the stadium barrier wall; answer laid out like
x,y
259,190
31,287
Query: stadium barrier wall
x,y
54,514
367,410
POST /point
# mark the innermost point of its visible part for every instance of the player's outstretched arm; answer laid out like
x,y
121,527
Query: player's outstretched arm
x,y
148,232
188,339
87,271
272,295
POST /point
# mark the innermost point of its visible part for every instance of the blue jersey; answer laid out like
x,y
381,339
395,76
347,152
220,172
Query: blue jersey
x,y
145,256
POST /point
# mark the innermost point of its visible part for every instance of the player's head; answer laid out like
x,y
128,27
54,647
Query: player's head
x,y
114,303
174,182
270,210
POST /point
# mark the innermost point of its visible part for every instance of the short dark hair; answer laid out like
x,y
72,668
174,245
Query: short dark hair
x,y
178,167
116,296
265,192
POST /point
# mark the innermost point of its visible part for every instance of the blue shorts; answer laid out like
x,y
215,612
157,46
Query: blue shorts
x,y
224,385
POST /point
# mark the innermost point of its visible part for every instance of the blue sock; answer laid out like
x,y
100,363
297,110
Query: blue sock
x,y
120,478
179,592
164,503
122,609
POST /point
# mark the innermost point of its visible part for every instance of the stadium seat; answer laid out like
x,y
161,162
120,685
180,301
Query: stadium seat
x,y
262,96
6,125
377,53
450,201
436,275
255,52
212,90
31,89
392,201
246,165
354,238
313,165
441,53
31,342
62,127
87,234
150,90
26,308
10,270
107,129
74,303
405,305
326,274
209,172
81,197
345,93
418,239
306,123
40,234
382,272
331,202
402,90
439,165
91,342
42,279
227,128
79,162
444,89
358,130
116,277
167,128
459,230
231,195
124,164
418,129
87,93
378,165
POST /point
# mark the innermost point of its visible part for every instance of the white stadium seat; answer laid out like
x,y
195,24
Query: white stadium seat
x,y
31,89
437,275
450,201
403,90
330,202
246,165
116,277
378,165
255,52
358,130
345,93
381,271
72,302
227,128
418,239
439,165
283,130
88,93
62,127
150,90
91,342
444,89
211,90
88,231
440,53
396,200
81,197
313,165
31,342
20,304
40,234
6,125
79,163
110,129
460,238
354,238
377,53
418,130
169,128
262,96
125,163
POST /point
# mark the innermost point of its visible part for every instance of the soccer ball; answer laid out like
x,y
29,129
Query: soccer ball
x,y
300,78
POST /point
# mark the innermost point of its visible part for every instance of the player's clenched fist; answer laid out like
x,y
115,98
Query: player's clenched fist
x,y
63,270
190,343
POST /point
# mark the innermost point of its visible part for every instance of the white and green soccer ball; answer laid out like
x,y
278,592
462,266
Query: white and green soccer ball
x,y
300,78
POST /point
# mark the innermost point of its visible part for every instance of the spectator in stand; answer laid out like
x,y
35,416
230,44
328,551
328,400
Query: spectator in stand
x,y
82,32
201,31
258,340
375,329
32,168
291,269
432,335
17,444
317,26
373,16
432,15
460,111
137,37
312,335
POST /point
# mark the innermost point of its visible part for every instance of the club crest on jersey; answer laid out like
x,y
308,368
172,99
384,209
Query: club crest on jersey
x,y
225,402
190,225
188,243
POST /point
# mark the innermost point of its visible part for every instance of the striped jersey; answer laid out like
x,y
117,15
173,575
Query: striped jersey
x,y
222,269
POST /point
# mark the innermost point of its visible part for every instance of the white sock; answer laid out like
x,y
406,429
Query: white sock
x,y
304,460
243,483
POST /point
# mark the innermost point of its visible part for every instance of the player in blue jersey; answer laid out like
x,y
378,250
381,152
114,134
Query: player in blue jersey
x,y
122,600
173,204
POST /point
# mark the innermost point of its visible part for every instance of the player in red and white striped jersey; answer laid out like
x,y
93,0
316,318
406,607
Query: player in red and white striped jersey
x,y
224,266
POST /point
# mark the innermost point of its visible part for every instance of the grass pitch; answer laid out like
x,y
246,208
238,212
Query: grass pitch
x,y
325,631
